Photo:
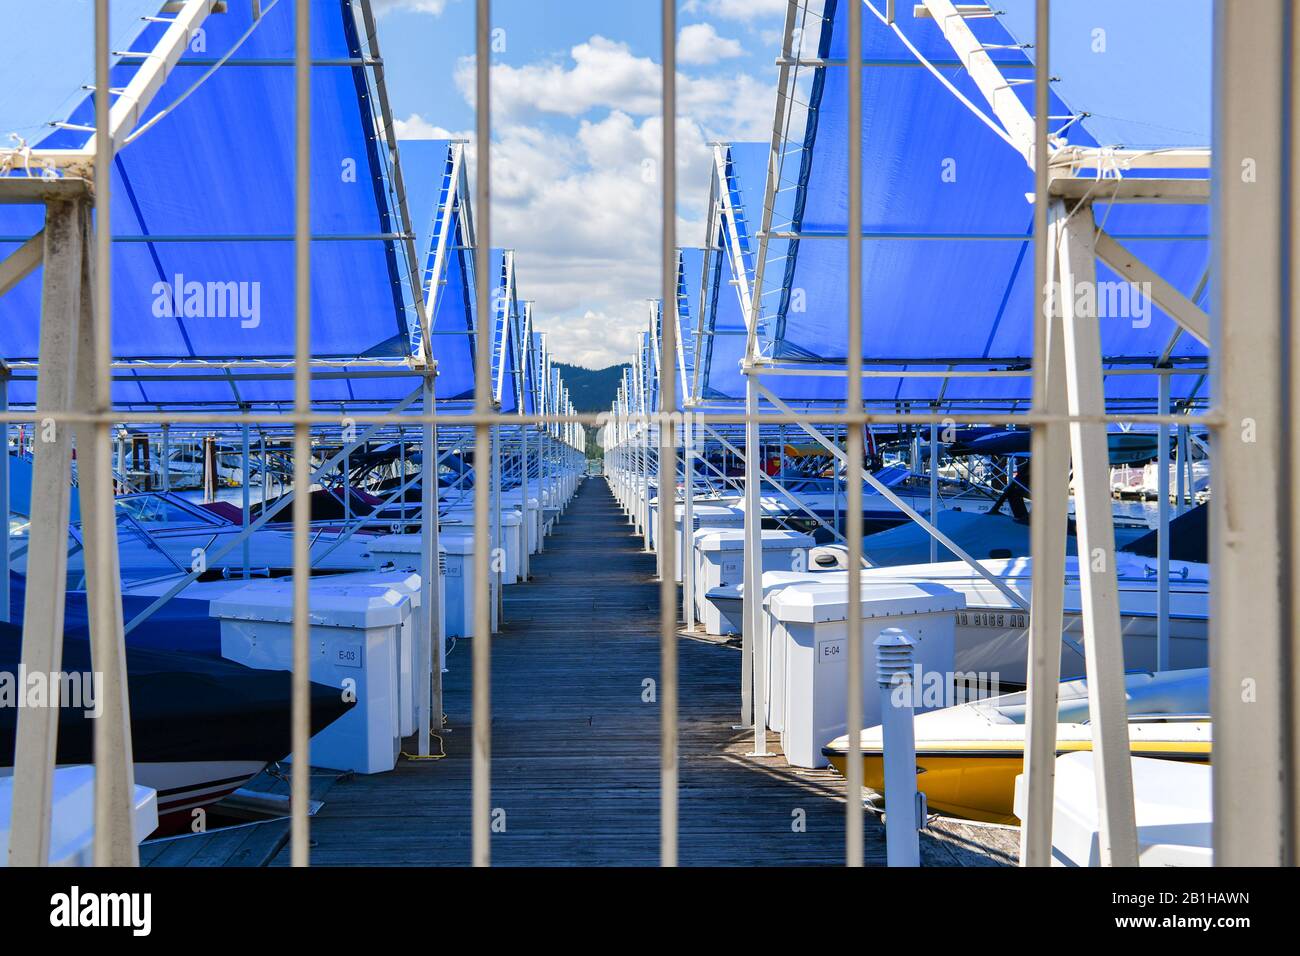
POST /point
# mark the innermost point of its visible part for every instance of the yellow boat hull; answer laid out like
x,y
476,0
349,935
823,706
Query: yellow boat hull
x,y
979,783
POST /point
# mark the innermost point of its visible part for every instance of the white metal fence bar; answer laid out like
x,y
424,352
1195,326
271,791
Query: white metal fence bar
x,y
668,330
300,790
853,447
482,648
1047,520
1253,530
114,769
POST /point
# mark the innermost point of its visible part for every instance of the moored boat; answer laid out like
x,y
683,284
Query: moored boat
x,y
968,756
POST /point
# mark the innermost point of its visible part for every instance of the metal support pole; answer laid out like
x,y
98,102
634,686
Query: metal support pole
x,y
525,556
686,548
166,458
1186,493
498,537
541,491
1048,523
752,644
1162,542
246,502
934,488
1099,593
6,610
345,469
115,839
429,706
42,641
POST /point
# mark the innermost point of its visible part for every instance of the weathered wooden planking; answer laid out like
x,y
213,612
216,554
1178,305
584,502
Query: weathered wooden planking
x,y
575,744
250,844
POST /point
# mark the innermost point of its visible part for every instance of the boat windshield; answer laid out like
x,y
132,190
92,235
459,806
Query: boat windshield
x,y
156,512
1167,693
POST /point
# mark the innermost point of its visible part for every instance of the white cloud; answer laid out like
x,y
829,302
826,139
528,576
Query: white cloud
x,y
416,126
737,9
605,74
579,199
593,339
414,6
700,43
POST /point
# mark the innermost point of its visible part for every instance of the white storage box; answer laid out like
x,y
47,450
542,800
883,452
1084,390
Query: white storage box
x,y
458,609
72,816
704,516
462,521
408,583
399,553
1170,798
730,600
355,643
719,562
533,524
550,505
512,539
809,647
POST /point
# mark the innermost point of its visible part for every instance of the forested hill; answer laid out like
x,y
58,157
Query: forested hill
x,y
592,390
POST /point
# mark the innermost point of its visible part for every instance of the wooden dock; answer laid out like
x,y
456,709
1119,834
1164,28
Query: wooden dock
x,y
575,746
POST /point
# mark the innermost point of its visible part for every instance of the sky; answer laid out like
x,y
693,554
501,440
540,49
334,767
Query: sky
x,y
576,137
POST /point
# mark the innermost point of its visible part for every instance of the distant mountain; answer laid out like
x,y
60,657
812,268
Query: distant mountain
x,y
592,390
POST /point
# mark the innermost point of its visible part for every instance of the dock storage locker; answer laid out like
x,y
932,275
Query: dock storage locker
x,y
355,637
719,555
459,606
533,523
462,521
702,516
809,651
408,583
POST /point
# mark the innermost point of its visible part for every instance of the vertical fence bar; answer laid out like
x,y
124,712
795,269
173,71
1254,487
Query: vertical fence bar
x,y
115,843
1046,591
853,447
6,610
482,649
668,455
1252,609
1162,540
300,789
429,709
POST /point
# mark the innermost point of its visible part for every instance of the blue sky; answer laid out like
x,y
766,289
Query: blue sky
x,y
576,136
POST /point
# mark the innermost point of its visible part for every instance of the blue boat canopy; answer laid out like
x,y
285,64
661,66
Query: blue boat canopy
x,y
947,211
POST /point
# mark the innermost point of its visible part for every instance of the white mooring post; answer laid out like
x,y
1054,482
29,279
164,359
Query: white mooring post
x,y
904,806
